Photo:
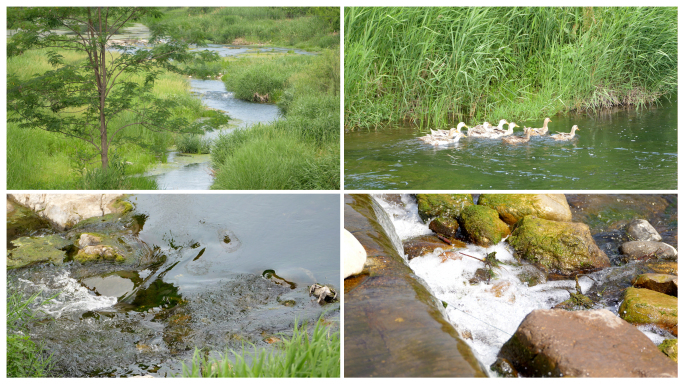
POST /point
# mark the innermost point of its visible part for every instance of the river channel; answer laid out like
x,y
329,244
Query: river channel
x,y
622,149
230,270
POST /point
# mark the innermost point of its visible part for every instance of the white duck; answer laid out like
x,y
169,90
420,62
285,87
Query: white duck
x,y
541,131
438,138
518,139
565,136
486,130
444,132
497,133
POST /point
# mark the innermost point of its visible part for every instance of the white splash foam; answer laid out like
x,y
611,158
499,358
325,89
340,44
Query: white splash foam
x,y
71,295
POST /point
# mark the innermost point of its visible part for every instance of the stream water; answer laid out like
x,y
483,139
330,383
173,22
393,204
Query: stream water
x,y
623,149
487,315
233,269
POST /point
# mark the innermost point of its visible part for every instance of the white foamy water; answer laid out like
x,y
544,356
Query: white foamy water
x,y
485,315
71,295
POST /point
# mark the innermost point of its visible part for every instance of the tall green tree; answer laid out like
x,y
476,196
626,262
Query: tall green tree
x,y
81,99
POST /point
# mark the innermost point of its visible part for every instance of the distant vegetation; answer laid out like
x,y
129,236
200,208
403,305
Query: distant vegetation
x,y
430,65
310,28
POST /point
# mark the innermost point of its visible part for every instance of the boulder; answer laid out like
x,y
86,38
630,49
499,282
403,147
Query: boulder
x,y
10,207
423,245
557,247
87,239
666,267
435,205
669,348
34,250
635,250
353,253
483,226
512,208
445,226
642,230
643,306
658,282
64,211
593,343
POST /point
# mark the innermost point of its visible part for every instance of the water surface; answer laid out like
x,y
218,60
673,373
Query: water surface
x,y
624,149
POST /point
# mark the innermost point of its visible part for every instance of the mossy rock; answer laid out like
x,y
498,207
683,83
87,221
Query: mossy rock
x,y
666,267
121,206
513,207
643,306
93,253
483,226
557,247
445,226
33,250
669,348
658,282
436,205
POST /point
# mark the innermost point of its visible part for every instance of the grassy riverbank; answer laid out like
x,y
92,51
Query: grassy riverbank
x,y
301,355
299,151
38,159
310,28
431,65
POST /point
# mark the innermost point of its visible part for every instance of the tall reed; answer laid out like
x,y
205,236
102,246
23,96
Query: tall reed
x,y
431,65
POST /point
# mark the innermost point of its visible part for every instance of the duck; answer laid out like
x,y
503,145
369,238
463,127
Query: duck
x,y
444,132
543,130
480,130
518,139
437,138
565,136
497,133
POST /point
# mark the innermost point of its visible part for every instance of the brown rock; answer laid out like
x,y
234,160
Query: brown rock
x,y
423,245
512,208
643,306
640,250
662,283
595,343
667,267
445,226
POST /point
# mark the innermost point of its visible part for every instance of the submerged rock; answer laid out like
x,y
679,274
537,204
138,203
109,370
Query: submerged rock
x,y
643,306
669,348
596,343
642,230
66,210
512,208
436,205
504,368
483,226
426,244
557,247
658,282
639,250
34,250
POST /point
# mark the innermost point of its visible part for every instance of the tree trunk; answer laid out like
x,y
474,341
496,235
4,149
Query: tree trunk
x,y
102,87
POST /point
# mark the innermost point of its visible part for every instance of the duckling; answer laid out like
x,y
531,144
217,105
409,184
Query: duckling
x,y
518,139
497,133
566,136
480,130
543,130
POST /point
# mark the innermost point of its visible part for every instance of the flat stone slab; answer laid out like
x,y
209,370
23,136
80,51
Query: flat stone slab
x,y
596,343
64,211
393,326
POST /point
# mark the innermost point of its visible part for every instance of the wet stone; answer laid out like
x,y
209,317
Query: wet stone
x,y
669,348
483,226
513,207
445,226
436,205
643,306
504,368
113,285
594,343
642,230
648,250
662,283
423,245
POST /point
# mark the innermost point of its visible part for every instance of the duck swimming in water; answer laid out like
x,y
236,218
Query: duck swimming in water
x,y
497,133
543,130
566,136
441,137
518,139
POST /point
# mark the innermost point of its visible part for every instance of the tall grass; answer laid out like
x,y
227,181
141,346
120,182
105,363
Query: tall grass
x,y
299,151
306,28
25,358
195,144
431,65
37,159
301,355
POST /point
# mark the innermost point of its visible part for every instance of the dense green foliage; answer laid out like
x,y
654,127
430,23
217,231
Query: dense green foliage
x,y
39,159
195,144
431,65
24,357
307,28
301,355
300,151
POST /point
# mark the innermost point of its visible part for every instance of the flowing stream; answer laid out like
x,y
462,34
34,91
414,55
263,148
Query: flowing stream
x,y
232,270
623,149
487,314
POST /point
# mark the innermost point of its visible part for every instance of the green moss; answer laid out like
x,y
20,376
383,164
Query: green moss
x,y
483,225
33,250
438,205
122,206
643,306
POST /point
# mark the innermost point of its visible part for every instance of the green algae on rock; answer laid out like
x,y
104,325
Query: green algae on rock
x,y
446,226
643,306
669,348
33,250
557,247
483,225
442,205
513,207
658,282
